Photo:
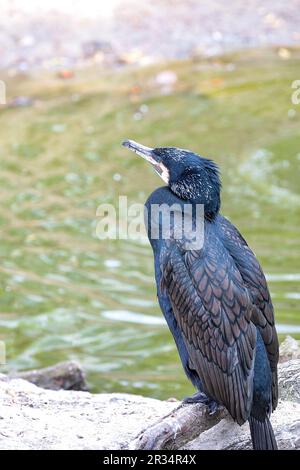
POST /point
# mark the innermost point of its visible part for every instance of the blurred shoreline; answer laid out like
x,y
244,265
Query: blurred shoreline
x,y
139,33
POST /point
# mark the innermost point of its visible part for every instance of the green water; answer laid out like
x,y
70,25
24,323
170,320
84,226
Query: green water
x,y
67,295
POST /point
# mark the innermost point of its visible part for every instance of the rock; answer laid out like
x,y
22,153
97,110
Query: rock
x,y
289,381
64,375
35,418
289,349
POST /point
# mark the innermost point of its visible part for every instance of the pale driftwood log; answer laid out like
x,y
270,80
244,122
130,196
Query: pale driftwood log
x,y
177,428
187,422
35,418
62,376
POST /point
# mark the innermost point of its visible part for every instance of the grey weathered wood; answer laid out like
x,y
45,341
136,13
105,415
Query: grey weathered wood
x,y
177,428
35,418
116,421
187,422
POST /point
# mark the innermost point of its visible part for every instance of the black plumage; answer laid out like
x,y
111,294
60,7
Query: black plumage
x,y
214,297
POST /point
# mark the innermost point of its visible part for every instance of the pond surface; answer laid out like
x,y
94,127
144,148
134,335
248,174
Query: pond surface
x,y
65,294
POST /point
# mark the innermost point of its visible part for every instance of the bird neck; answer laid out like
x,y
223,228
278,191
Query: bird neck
x,y
195,189
184,219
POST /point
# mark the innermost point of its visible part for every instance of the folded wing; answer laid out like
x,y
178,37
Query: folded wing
x,y
255,281
213,308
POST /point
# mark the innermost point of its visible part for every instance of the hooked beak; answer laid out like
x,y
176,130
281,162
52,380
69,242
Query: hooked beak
x,y
148,154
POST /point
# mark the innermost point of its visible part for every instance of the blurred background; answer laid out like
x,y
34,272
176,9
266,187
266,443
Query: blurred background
x,y
80,77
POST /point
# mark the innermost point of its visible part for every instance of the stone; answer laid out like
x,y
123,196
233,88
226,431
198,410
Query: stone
x,y
36,418
289,349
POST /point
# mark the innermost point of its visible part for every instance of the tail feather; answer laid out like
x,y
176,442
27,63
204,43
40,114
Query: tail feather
x,y
262,434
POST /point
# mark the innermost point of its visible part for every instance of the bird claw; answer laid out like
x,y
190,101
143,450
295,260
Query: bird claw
x,y
200,397
212,407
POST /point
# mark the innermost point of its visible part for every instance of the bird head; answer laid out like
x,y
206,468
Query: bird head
x,y
190,177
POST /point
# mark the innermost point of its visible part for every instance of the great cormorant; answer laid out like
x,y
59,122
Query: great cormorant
x,y
215,298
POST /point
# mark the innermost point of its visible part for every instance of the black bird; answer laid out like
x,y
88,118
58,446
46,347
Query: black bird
x,y
215,297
